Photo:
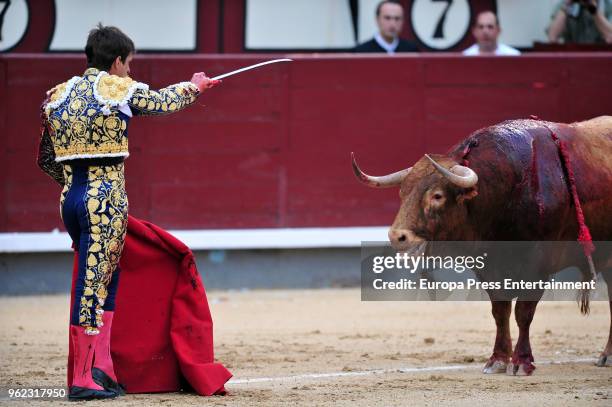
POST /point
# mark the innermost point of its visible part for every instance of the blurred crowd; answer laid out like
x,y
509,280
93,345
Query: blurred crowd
x,y
572,22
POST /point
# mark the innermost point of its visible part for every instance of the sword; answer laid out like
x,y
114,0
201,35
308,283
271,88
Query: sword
x,y
248,68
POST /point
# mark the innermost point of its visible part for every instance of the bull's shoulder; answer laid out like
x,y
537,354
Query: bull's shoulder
x,y
510,127
509,133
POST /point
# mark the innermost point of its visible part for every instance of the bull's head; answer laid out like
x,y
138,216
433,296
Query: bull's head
x,y
432,192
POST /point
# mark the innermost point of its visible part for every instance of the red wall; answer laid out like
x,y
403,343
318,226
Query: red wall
x,y
270,148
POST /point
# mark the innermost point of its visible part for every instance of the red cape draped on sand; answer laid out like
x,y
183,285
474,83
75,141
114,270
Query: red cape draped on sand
x,y
162,334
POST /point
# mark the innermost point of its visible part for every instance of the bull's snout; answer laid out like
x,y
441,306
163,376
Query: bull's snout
x,y
403,239
399,238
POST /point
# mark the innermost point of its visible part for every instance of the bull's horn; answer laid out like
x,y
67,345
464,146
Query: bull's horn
x,y
459,175
386,181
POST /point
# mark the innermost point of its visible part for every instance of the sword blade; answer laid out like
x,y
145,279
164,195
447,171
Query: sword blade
x,y
248,68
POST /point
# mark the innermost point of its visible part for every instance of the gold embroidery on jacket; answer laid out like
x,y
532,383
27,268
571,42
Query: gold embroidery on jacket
x,y
114,88
57,91
167,100
89,122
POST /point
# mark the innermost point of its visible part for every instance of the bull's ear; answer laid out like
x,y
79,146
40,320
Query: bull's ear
x,y
466,195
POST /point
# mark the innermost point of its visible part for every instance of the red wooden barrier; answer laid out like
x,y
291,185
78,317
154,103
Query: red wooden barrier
x,y
271,148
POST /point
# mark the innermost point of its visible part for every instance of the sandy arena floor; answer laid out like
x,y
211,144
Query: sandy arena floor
x,y
283,337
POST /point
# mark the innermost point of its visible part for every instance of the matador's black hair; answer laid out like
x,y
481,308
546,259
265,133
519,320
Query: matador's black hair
x,y
105,44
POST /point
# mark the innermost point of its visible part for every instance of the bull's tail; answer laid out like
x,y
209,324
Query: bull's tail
x,y
588,274
584,300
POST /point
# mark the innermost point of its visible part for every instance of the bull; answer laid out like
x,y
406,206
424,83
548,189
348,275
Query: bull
x,y
509,182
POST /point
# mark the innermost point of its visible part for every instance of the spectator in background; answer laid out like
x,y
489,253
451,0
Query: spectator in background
x,y
390,19
581,21
486,30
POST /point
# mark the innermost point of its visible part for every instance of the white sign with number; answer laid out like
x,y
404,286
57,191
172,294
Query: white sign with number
x,y
440,24
14,18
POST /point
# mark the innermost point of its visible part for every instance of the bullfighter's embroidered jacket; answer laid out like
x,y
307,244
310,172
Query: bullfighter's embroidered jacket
x,y
88,116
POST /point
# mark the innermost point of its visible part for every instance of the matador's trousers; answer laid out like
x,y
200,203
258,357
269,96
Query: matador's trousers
x,y
94,209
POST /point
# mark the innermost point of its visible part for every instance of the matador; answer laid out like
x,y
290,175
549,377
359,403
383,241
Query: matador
x,y
84,142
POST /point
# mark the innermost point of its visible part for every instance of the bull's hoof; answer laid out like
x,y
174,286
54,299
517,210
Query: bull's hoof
x,y
520,369
494,366
603,361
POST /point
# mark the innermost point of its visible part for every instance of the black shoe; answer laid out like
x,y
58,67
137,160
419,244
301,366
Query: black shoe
x,y
104,380
77,393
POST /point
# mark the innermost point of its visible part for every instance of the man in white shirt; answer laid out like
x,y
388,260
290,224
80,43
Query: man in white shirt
x,y
486,31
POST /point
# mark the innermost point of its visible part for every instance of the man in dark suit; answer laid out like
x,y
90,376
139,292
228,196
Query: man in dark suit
x,y
390,19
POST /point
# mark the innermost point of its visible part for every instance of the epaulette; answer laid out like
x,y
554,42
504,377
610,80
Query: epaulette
x,y
55,92
59,93
113,90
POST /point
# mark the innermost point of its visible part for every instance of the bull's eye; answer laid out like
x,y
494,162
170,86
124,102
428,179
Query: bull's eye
x,y
433,202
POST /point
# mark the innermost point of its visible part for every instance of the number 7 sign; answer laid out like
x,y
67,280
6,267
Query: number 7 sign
x,y
14,19
4,5
440,24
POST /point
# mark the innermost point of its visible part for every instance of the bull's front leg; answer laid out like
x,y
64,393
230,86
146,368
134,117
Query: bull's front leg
x,y
498,361
522,358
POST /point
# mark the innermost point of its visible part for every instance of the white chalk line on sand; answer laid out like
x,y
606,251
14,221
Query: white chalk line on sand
x,y
334,375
